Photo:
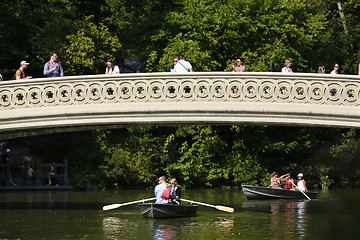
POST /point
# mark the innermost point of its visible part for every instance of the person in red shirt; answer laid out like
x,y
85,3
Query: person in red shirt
x,y
288,184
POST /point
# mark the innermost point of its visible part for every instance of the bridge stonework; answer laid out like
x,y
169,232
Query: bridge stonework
x,y
46,105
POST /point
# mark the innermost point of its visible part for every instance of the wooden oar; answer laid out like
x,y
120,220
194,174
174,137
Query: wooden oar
x,y
218,207
300,190
117,205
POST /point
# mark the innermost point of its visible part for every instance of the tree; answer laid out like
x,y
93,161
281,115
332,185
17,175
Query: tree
x,y
90,47
211,33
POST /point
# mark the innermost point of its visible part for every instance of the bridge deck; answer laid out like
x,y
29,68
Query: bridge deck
x,y
38,106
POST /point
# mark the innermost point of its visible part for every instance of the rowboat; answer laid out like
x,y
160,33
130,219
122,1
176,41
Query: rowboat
x,y
155,210
256,192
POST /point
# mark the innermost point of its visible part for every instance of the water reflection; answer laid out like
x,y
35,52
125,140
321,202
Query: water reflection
x,y
224,225
165,232
115,227
111,227
288,219
301,225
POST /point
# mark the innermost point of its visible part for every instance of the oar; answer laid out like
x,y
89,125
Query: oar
x,y
300,190
218,207
117,205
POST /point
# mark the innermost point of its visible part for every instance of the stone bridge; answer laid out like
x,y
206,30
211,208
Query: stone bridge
x,y
47,105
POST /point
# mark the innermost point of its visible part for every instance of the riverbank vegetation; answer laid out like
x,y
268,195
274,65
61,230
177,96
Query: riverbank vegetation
x,y
202,156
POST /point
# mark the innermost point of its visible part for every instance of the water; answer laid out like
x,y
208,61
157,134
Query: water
x,y
79,215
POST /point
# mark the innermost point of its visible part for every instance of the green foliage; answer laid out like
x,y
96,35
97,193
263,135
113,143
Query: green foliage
x,y
130,163
204,156
344,166
90,47
209,33
264,32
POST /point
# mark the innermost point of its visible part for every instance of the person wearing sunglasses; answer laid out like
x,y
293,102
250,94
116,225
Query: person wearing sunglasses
x,y
239,65
176,189
171,68
183,66
336,69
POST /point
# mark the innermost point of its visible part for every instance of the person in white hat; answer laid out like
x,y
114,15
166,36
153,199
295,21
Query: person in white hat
x,y
301,184
20,73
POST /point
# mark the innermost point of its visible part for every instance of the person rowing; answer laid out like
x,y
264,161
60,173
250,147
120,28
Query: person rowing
x,y
288,184
275,180
301,184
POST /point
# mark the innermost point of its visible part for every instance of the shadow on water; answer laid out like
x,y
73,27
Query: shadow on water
x,y
50,205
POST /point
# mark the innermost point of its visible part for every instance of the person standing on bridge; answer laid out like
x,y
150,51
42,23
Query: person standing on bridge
x,y
239,65
171,68
336,69
287,67
20,73
183,66
321,69
111,67
53,68
358,69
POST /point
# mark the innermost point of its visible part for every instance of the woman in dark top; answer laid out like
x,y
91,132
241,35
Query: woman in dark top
x,y
177,189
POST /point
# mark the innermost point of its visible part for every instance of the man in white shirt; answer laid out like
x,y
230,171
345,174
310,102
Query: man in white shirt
x,y
159,190
182,65
287,68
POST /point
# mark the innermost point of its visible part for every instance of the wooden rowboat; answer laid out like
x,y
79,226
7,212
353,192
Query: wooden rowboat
x,y
154,210
256,192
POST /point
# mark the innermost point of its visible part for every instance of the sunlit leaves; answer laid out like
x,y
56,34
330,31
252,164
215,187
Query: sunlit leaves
x,y
90,47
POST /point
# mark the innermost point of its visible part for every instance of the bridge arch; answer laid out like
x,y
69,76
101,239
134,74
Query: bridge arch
x,y
46,105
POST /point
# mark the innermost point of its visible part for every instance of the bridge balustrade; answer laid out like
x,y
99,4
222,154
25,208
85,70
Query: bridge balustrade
x,y
87,102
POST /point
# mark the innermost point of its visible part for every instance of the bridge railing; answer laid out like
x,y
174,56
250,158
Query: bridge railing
x,y
159,87
167,98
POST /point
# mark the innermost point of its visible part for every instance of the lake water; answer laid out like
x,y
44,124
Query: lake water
x,y
79,215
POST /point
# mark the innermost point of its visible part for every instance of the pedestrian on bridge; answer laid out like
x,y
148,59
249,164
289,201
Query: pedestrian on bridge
x,y
53,68
336,69
287,67
171,68
111,67
20,73
239,65
321,69
183,65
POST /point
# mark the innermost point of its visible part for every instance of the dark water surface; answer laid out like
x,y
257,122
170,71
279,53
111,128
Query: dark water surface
x,y
79,215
